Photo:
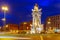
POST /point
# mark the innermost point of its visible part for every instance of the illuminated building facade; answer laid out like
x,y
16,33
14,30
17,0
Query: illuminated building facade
x,y
53,22
13,28
25,26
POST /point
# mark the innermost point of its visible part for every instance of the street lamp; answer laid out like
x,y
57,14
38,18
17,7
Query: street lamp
x,y
31,25
4,9
25,22
49,22
27,28
6,26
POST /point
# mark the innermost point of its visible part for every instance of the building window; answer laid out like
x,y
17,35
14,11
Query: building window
x,y
57,17
54,23
49,19
58,26
54,18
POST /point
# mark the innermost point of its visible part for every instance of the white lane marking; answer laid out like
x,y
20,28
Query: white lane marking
x,y
41,37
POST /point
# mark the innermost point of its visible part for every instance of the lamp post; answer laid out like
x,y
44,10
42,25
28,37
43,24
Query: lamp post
x,y
4,9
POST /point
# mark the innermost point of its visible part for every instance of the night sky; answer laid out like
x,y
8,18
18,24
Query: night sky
x,y
20,10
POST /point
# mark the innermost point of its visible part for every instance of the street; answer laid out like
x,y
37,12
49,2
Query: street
x,y
31,37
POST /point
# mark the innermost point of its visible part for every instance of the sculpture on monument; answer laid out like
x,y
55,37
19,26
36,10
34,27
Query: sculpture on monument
x,y
37,27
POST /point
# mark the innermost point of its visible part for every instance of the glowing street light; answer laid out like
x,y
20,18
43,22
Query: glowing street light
x,y
49,22
6,26
27,28
4,9
31,25
25,22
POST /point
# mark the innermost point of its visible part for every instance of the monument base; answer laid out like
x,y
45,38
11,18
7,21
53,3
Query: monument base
x,y
37,29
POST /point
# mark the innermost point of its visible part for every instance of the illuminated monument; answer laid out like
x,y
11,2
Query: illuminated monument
x,y
36,27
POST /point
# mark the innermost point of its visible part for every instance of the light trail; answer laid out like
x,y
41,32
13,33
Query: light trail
x,y
12,37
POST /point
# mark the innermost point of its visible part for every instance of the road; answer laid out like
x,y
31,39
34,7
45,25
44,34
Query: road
x,y
32,37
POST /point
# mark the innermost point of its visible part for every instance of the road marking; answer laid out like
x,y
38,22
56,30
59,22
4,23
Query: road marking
x,y
41,37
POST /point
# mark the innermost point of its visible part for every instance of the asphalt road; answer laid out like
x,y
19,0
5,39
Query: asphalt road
x,y
31,37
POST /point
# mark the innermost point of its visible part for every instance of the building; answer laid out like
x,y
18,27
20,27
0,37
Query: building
x,y
11,28
53,22
1,28
25,26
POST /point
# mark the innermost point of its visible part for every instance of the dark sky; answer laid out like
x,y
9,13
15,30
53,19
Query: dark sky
x,y
20,10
